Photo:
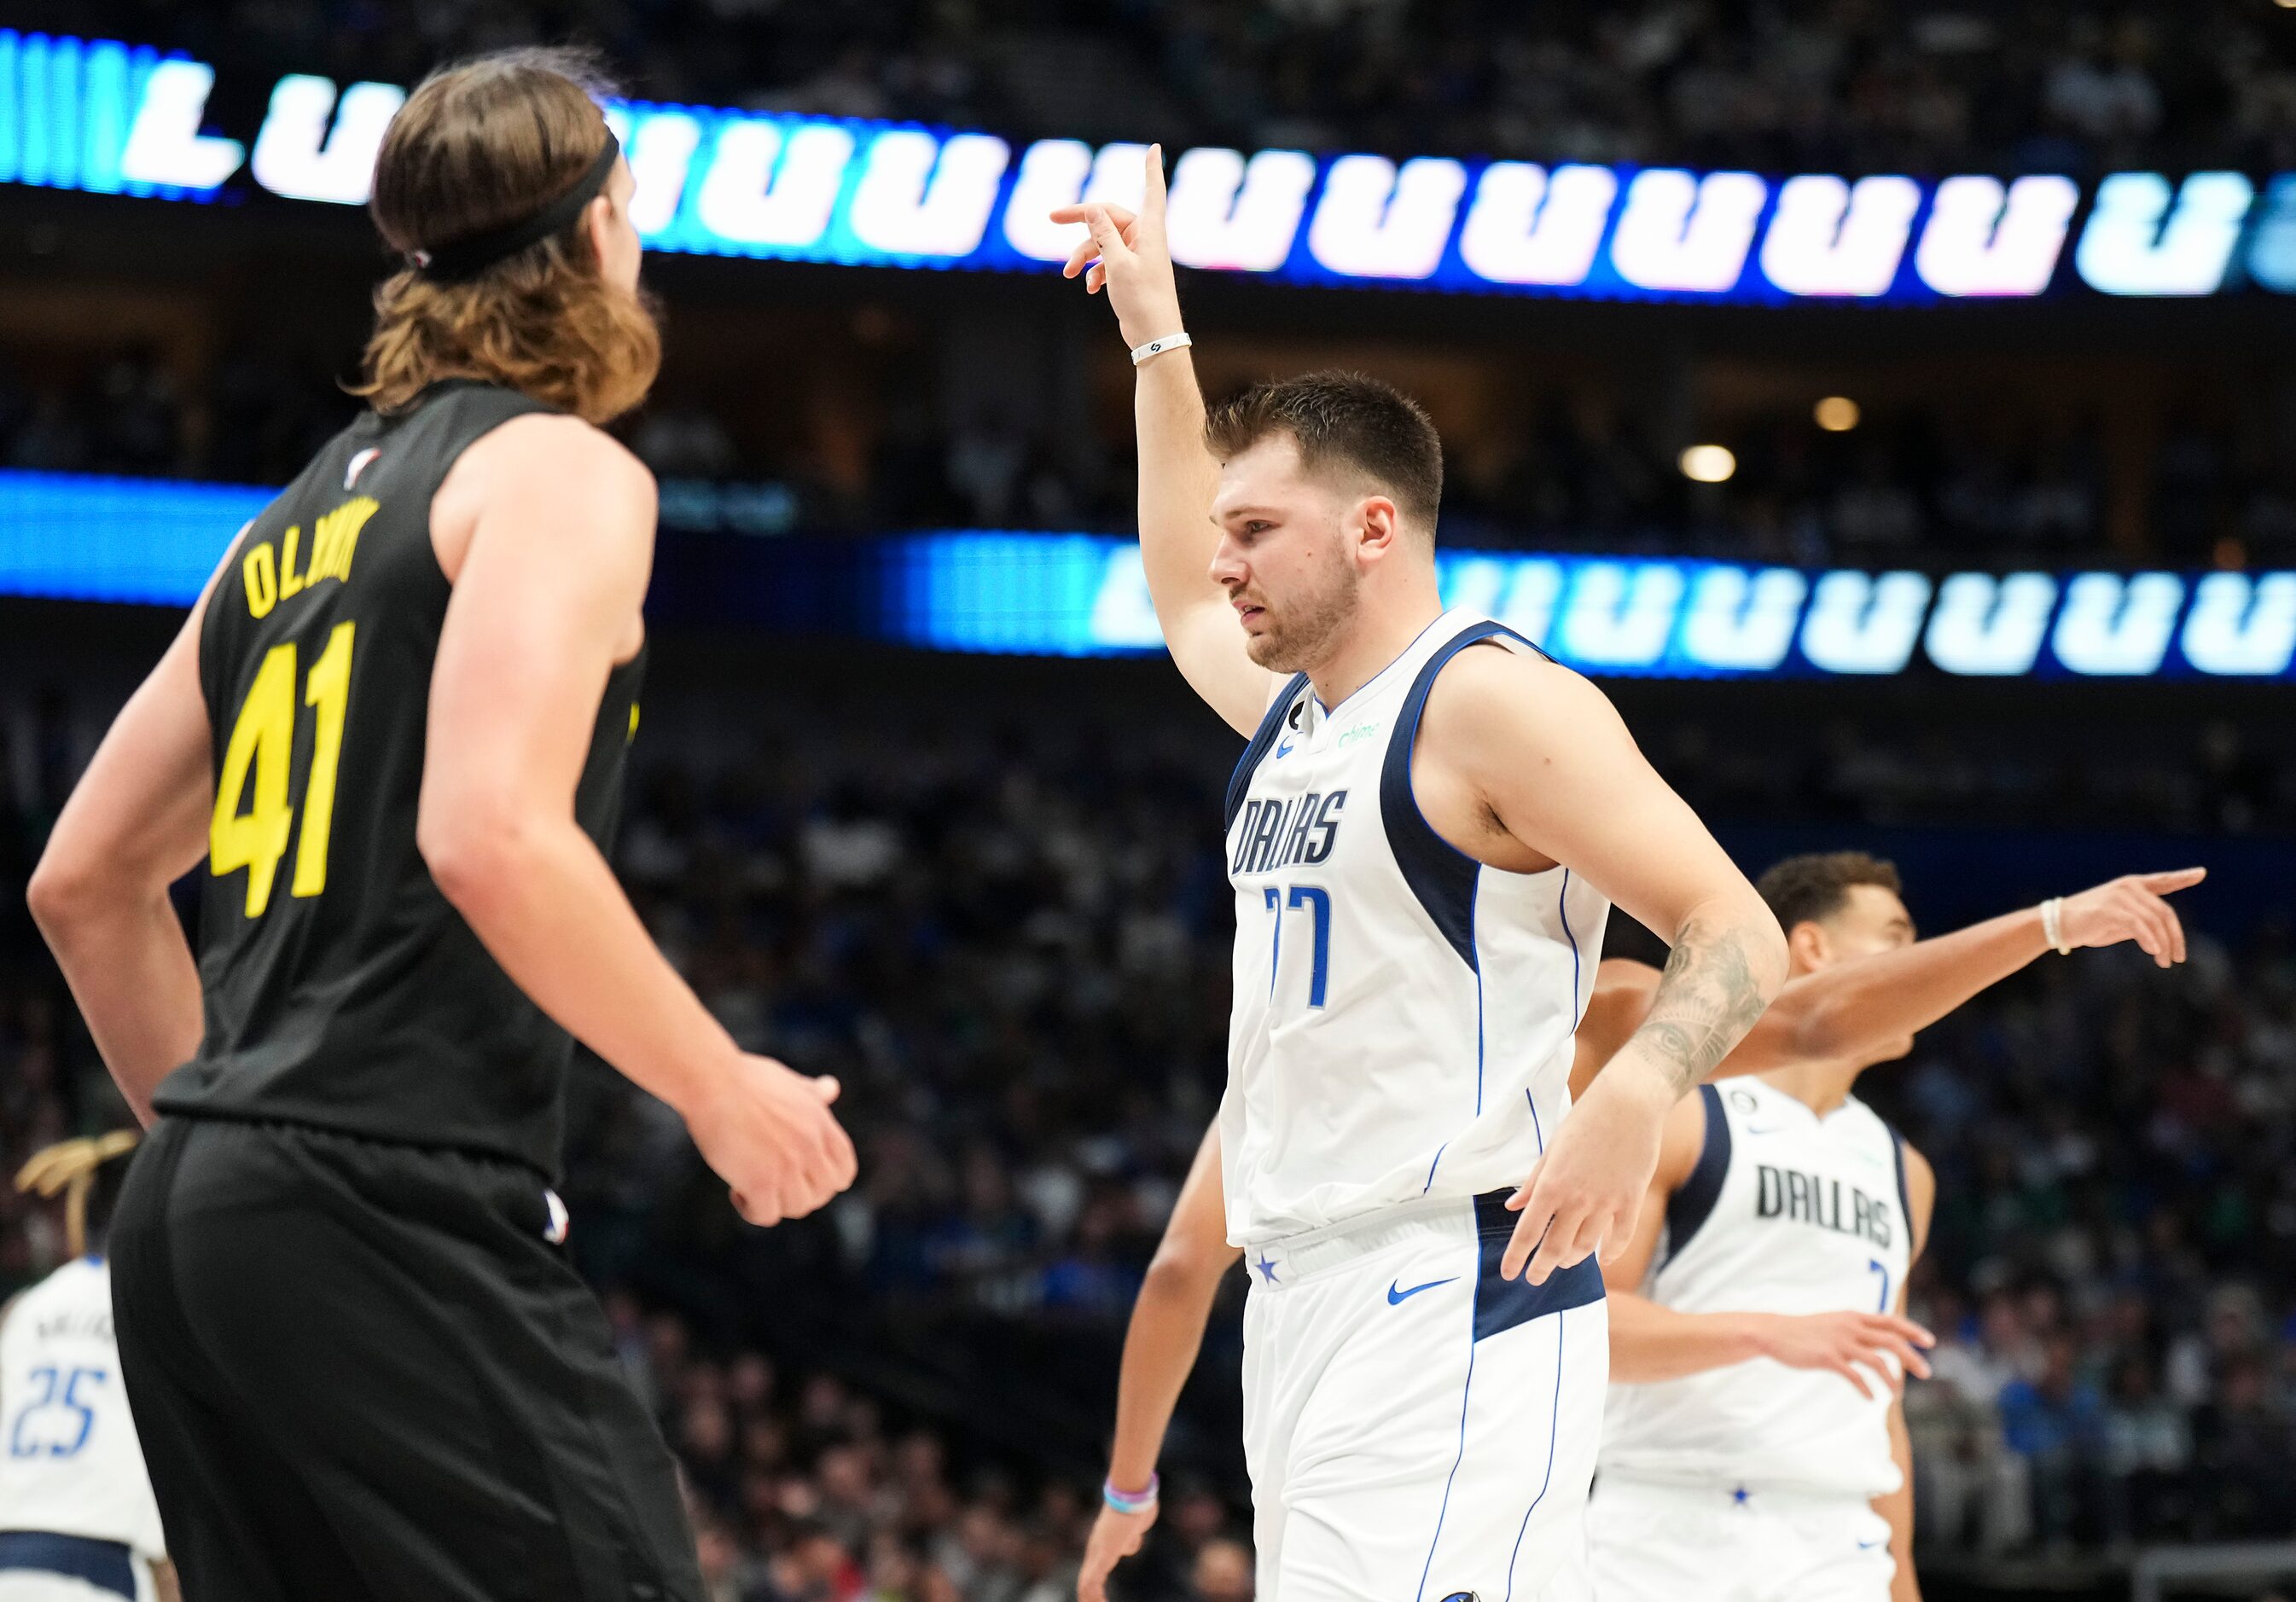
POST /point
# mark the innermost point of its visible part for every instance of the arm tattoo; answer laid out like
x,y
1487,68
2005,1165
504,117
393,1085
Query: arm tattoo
x,y
1707,999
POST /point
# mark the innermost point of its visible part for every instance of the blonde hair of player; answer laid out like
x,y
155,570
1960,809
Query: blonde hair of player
x,y
68,1168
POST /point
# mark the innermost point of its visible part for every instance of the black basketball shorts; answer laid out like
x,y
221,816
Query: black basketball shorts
x,y
360,1373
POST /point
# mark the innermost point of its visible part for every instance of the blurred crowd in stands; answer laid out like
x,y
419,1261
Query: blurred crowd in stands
x,y
1009,944
1908,488
1955,85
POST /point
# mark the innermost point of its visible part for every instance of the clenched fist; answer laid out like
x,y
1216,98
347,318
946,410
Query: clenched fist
x,y
768,1132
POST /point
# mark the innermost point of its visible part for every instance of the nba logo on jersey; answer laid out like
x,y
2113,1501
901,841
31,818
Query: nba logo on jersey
x,y
358,464
560,1220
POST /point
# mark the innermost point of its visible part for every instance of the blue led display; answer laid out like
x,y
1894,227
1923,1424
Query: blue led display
x,y
78,537
109,117
1082,595
89,538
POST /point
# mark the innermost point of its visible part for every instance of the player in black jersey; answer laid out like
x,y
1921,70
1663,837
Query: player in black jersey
x,y
393,732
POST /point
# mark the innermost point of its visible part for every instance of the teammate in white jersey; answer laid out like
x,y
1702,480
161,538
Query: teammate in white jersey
x,y
78,1523
1856,1001
1755,1450
1425,836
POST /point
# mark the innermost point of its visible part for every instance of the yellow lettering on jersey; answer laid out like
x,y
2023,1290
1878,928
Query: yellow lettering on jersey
x,y
329,689
262,740
335,539
291,583
261,749
634,724
259,569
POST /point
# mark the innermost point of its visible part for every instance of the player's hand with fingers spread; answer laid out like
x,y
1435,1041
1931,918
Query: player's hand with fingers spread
x,y
1115,1535
768,1132
1855,1345
1588,1189
1125,253
2131,908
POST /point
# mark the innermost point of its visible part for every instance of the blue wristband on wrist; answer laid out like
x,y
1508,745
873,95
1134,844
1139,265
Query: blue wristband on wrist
x,y
1129,1501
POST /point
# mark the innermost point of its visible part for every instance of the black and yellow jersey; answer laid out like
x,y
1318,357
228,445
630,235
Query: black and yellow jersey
x,y
342,989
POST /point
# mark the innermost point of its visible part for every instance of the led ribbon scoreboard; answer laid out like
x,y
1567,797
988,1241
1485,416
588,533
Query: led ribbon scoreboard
x,y
81,538
106,117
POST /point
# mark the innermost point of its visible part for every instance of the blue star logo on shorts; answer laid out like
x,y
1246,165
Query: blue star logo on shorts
x,y
1267,1267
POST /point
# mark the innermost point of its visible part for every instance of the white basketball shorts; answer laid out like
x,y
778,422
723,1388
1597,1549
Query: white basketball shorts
x,y
32,1585
1654,1542
1416,1427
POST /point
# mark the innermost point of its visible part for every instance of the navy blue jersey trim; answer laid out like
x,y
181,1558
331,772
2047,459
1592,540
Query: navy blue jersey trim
x,y
1690,1207
1439,874
1502,1304
105,1564
1905,1196
1270,725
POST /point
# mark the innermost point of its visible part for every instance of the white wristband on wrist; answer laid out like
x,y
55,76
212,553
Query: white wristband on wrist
x,y
1159,345
2053,924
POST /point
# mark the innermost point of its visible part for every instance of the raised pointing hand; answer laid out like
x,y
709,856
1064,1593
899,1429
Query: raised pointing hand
x,y
1125,253
2131,908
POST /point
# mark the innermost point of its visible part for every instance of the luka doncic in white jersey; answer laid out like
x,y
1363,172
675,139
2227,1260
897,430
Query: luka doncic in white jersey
x,y
1403,1014
1786,1212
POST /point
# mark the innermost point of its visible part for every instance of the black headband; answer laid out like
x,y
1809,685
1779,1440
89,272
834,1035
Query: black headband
x,y
474,253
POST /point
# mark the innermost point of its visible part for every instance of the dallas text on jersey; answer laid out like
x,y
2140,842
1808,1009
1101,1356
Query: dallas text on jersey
x,y
1278,834
1812,1198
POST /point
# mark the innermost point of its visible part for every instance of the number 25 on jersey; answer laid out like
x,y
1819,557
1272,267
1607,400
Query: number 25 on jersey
x,y
262,743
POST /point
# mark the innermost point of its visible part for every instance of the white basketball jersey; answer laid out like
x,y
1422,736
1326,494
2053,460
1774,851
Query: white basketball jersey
x,y
69,1463
1786,1213
1403,1014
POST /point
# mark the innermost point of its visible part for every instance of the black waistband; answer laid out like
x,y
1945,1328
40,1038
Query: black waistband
x,y
106,1565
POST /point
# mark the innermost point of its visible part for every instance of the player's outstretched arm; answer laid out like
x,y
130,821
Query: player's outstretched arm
x,y
1650,1342
1126,254
1869,1010
1159,1349
559,528
1541,751
136,821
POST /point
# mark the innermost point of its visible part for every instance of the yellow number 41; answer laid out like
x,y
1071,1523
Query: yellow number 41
x,y
262,741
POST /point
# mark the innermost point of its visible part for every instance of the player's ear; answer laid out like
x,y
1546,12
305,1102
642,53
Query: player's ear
x,y
1806,944
1380,523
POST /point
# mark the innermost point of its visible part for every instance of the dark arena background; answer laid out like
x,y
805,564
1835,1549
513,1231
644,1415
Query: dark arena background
x,y
1893,405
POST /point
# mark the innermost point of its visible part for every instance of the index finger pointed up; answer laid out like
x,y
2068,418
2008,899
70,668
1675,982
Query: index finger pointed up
x,y
1152,191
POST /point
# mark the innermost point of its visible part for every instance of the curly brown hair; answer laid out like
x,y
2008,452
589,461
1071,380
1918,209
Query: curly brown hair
x,y
478,146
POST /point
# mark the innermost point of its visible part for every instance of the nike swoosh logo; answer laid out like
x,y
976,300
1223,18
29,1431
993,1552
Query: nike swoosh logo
x,y
1867,1546
1282,749
1394,1296
1767,1129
